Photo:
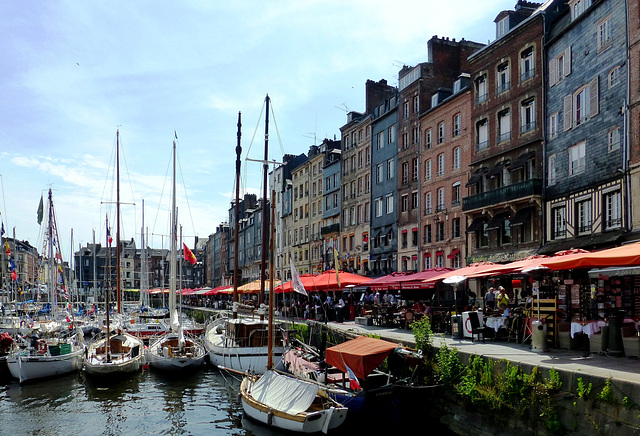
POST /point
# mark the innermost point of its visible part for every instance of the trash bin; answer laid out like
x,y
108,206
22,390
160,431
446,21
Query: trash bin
x,y
615,347
538,336
456,327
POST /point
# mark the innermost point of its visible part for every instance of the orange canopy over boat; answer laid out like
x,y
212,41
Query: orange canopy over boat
x,y
362,355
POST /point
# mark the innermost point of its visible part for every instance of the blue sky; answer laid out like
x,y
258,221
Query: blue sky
x,y
73,72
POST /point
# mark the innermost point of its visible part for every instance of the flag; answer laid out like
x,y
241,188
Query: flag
x,y
12,265
40,210
188,255
337,264
353,380
296,283
7,249
2,230
109,238
14,276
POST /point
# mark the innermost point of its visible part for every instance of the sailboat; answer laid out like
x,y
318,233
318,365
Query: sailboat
x,y
175,351
237,343
120,353
47,352
277,399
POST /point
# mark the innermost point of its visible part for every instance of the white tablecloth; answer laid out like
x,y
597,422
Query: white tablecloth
x,y
587,328
495,322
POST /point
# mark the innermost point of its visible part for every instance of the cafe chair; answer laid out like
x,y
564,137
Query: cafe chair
x,y
630,341
407,319
476,328
566,341
598,342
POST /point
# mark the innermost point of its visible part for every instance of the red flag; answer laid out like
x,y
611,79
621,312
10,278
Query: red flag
x,y
109,238
14,276
188,255
353,380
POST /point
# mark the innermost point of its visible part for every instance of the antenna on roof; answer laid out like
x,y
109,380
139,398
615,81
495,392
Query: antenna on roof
x,y
343,108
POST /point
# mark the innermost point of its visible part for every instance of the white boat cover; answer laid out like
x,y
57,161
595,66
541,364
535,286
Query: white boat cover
x,y
283,393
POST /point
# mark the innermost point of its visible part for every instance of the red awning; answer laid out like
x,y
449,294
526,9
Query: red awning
x,y
439,253
404,231
362,355
453,254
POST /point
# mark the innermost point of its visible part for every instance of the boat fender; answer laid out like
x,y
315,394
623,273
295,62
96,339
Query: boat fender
x,y
270,417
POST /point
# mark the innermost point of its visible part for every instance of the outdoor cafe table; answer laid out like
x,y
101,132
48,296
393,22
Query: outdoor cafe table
x,y
587,328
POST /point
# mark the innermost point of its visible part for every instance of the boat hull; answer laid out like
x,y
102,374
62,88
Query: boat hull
x,y
122,361
164,355
243,359
26,367
308,422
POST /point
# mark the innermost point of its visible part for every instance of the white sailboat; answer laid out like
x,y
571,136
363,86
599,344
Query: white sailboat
x,y
241,344
282,401
175,350
53,352
119,352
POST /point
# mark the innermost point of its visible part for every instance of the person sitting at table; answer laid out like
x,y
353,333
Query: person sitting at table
x,y
376,298
418,307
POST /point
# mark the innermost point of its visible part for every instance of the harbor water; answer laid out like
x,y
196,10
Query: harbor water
x,y
148,403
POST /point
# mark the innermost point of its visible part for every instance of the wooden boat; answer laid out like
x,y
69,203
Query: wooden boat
x,y
121,353
278,400
174,351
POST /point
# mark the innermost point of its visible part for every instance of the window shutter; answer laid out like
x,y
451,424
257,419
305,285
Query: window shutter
x,y
553,72
567,61
567,115
593,95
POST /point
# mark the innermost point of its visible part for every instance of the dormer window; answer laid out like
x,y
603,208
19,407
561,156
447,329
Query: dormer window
x,y
502,27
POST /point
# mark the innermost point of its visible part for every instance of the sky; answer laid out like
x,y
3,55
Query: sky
x,y
72,73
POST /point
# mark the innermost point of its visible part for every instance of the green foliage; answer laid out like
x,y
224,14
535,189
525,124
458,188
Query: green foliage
x,y
553,384
300,331
423,334
607,394
627,403
583,390
449,367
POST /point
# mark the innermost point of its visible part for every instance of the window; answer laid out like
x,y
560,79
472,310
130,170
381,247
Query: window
x,y
389,201
379,173
527,116
481,89
482,135
427,140
503,78
604,35
504,125
440,206
427,170
578,7
502,27
440,231
577,159
404,202
553,125
378,207
615,76
457,119
504,232
327,184
456,158
427,203
614,139
482,236
406,109
559,222
391,135
367,212
613,210
527,68
427,234
581,106
405,140
390,169
455,194
405,173
441,132
560,67
414,200
441,164
416,105
455,228
416,169
360,186
414,237
440,260
583,215
380,143
415,135
403,242
551,172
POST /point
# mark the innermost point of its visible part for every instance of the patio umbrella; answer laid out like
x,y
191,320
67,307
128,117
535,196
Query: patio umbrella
x,y
471,270
307,282
417,280
383,283
625,255
328,281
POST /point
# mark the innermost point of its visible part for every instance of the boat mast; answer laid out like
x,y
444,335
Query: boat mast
x,y
172,257
236,230
118,289
270,335
53,294
265,212
107,294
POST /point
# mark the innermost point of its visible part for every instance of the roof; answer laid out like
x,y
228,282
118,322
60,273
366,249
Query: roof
x,y
362,355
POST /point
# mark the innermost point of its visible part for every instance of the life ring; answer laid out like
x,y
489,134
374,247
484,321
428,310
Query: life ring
x,y
42,346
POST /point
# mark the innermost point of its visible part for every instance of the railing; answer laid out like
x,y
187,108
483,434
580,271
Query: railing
x,y
502,88
527,75
503,137
528,127
481,98
482,145
333,228
506,193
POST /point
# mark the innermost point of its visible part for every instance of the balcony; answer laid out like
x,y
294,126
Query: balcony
x,y
504,194
333,228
